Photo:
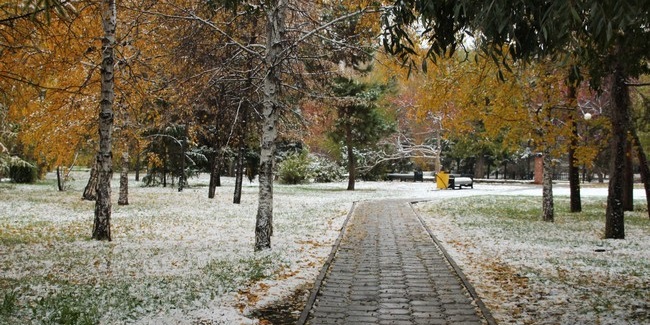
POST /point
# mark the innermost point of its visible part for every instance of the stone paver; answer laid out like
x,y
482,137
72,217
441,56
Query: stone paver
x,y
388,270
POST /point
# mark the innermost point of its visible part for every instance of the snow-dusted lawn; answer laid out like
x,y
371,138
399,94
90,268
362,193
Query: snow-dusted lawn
x,y
532,272
181,258
176,257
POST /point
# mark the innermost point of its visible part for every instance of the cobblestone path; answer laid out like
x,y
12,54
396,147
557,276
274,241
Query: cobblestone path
x,y
388,270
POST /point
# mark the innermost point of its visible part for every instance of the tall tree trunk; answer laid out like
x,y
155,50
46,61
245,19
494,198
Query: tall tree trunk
x,y
124,180
90,192
164,171
619,116
59,179
548,210
138,163
574,169
437,164
628,182
182,179
215,175
352,160
479,167
239,174
275,28
102,223
217,163
643,166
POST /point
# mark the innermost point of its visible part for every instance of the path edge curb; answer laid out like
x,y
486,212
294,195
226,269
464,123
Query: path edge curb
x,y
470,289
323,272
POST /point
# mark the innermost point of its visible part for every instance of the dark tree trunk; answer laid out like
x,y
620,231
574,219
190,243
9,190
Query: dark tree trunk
x,y
137,168
643,166
241,155
239,175
574,182
102,222
215,171
628,188
619,116
59,179
90,192
182,179
479,167
548,210
352,161
164,172
574,169
124,181
215,176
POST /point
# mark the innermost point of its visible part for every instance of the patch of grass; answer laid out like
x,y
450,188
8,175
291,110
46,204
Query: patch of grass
x,y
221,272
36,232
228,275
260,266
8,302
512,209
68,307
7,186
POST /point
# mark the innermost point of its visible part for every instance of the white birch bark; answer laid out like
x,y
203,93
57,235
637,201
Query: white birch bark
x,y
275,29
102,224
548,210
90,191
124,180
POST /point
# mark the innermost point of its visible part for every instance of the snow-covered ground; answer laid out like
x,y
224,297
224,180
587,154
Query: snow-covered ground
x,y
532,272
181,258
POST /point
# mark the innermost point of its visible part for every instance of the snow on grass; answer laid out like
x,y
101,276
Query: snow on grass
x,y
181,258
532,272
176,257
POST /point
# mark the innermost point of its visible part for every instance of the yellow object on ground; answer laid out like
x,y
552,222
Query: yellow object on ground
x,y
442,180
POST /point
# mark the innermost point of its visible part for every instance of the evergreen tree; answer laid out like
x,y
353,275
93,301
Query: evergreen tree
x,y
359,122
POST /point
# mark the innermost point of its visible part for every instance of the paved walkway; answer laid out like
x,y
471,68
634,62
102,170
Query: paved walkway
x,y
388,270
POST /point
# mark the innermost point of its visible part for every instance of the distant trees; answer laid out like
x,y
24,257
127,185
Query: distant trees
x,y
606,37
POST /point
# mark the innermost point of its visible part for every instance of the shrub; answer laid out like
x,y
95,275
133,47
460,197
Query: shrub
x,y
295,169
23,173
325,170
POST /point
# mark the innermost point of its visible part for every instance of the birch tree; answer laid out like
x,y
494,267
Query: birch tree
x,y
275,45
287,64
102,223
